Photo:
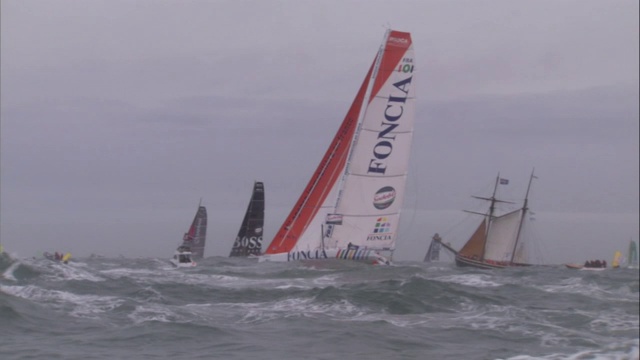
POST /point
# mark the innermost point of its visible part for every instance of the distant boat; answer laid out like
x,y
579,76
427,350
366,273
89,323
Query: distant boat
x,y
630,262
3,255
582,267
350,209
595,265
632,255
433,253
183,257
63,258
193,241
574,266
496,243
249,239
617,256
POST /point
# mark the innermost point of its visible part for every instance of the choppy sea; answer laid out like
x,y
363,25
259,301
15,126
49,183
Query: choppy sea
x,y
143,308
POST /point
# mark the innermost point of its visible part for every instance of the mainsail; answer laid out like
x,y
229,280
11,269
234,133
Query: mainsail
x,y
353,200
195,238
496,243
249,239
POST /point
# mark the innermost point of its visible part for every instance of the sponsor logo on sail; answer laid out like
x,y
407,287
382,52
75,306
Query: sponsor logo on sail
x,y
334,219
384,197
382,230
392,119
253,242
403,41
258,230
306,255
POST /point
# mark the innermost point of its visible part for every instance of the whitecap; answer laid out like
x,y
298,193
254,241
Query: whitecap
x,y
476,280
152,312
8,273
614,351
83,305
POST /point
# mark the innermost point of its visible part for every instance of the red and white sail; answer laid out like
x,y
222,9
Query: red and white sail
x,y
355,195
195,238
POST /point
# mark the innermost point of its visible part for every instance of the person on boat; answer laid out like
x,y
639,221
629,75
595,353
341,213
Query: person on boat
x,y
604,263
598,263
184,259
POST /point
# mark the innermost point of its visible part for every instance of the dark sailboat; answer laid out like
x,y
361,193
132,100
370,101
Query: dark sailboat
x,y
433,254
193,241
249,239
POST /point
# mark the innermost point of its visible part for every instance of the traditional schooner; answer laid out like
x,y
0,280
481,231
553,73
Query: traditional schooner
x,y
496,242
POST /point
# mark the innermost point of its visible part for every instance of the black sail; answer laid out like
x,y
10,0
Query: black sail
x,y
249,239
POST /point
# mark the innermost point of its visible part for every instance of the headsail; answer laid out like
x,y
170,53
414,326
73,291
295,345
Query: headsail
x,y
474,248
362,176
249,239
196,237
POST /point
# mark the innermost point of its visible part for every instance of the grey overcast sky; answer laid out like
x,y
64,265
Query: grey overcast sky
x,y
118,116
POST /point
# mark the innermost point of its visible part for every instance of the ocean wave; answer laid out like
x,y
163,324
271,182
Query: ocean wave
x,y
415,310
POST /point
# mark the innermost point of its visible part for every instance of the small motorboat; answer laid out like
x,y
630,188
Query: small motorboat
x,y
182,257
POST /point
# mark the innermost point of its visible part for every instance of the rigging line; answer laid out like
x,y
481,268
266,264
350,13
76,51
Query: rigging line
x,y
450,229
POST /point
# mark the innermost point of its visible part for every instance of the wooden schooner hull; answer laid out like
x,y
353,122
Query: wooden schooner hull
x,y
462,261
466,261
